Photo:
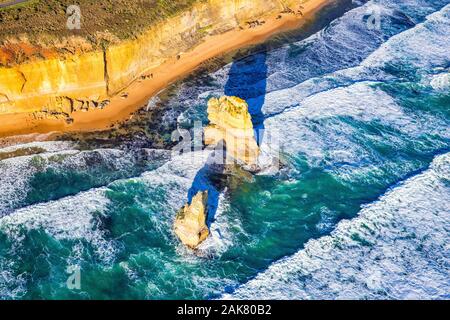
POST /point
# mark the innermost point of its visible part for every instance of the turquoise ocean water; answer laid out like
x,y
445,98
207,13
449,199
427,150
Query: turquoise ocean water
x,y
360,208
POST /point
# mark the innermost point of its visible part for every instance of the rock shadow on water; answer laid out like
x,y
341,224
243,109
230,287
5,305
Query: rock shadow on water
x,y
210,178
247,79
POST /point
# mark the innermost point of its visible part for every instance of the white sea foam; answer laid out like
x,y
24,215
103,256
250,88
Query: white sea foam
x,y
14,180
11,286
315,129
71,218
68,218
221,237
397,248
441,82
424,46
185,165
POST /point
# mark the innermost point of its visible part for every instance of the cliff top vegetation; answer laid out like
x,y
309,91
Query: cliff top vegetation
x,y
41,21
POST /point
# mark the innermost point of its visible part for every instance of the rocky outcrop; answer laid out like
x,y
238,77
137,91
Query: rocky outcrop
x,y
231,123
190,223
95,76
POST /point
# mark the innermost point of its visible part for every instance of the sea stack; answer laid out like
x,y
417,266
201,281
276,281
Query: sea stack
x,y
190,223
230,122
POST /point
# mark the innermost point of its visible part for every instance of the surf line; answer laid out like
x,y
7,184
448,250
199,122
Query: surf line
x,y
194,311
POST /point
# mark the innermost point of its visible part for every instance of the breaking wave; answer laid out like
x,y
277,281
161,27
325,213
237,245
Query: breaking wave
x,y
396,248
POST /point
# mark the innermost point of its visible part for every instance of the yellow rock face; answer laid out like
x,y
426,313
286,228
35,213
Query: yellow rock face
x,y
51,84
190,224
231,122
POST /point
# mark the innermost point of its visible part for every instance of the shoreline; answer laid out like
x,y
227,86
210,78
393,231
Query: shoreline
x,y
140,91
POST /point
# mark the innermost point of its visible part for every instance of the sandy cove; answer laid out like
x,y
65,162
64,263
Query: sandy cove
x,y
140,91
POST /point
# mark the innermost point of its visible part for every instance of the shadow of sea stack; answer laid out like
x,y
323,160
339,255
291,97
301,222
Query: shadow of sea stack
x,y
232,135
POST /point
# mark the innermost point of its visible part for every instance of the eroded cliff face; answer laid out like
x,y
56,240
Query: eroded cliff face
x,y
59,86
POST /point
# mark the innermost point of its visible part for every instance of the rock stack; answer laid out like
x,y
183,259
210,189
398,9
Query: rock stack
x,y
190,223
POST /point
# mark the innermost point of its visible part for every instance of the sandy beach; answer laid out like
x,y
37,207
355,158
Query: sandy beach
x,y
139,92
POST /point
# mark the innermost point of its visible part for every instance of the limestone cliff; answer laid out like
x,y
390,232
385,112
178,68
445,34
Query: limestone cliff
x,y
190,223
61,85
231,123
